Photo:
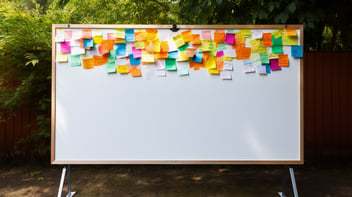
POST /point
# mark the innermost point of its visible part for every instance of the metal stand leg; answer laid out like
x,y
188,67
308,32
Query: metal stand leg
x,y
69,193
293,181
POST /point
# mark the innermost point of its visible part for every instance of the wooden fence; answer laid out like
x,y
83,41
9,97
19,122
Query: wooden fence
x,y
327,110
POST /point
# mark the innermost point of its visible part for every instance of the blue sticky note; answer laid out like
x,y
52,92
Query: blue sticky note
x,y
197,57
267,68
134,61
87,43
173,55
129,34
110,67
121,49
296,51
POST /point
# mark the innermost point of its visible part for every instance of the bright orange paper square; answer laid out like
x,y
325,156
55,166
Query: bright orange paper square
x,y
88,63
100,60
283,60
243,53
164,46
108,44
219,37
290,32
139,36
195,39
267,42
187,36
135,72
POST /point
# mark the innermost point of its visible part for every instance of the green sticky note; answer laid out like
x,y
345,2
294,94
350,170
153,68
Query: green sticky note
x,y
184,47
276,41
170,64
112,56
221,47
110,67
264,58
277,49
75,60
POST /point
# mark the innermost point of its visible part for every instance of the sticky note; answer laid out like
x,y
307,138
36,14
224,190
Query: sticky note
x,y
75,60
261,69
210,63
246,33
296,51
135,72
139,36
182,56
206,35
239,39
243,53
160,64
190,52
100,60
110,67
86,34
97,39
212,53
148,57
226,75
248,66
59,37
255,45
289,40
276,41
229,52
278,33
170,64
119,33
267,68
122,69
164,46
107,44
267,42
197,57
121,61
219,63
255,57
276,49
283,60
88,63
151,35
67,35
207,45
87,43
65,47
120,49
229,38
195,39
156,46
102,51
178,40
187,36
97,32
129,33
61,57
213,71
173,55
137,53
290,32
228,65
221,47
184,47
219,37
134,61
264,58
161,55
160,73
274,64
257,34
220,53
76,35
77,51
273,56
182,68
92,51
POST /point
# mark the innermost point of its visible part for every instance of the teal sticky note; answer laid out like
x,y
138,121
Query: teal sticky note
x,y
173,55
134,61
88,43
184,47
110,67
121,49
230,31
198,57
296,51
267,68
170,64
276,49
112,56
129,34
264,58
221,47
276,42
75,60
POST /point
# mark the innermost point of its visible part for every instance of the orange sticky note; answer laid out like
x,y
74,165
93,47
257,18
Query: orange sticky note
x,y
86,34
108,44
135,72
190,52
139,36
111,36
267,42
187,36
219,37
283,60
219,63
194,65
290,32
102,51
151,35
88,63
195,39
164,46
243,53
161,55
100,60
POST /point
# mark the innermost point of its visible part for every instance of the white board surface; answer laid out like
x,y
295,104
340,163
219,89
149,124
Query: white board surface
x,y
114,118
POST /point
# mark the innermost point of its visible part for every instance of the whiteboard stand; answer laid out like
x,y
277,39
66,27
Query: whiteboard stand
x,y
293,181
69,192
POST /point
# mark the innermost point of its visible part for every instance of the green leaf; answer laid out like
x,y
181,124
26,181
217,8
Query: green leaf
x,y
292,7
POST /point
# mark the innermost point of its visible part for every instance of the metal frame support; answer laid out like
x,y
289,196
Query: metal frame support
x,y
62,180
293,181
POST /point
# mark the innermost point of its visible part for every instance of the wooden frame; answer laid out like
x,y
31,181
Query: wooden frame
x,y
82,26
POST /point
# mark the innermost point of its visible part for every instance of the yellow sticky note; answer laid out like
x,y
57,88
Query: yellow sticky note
x,y
98,39
262,49
187,36
164,46
61,57
139,45
119,33
239,38
122,69
207,45
227,58
289,40
246,33
156,46
152,34
278,33
211,63
178,40
148,58
213,71
273,56
183,56
254,44
290,32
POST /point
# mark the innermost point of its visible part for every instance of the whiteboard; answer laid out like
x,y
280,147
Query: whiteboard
x,y
100,118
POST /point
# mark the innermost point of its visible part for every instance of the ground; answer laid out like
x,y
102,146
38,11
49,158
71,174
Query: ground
x,y
176,180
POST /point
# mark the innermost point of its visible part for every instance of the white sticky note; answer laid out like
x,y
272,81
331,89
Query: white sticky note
x,y
60,36
93,51
160,73
121,61
248,66
226,75
261,69
76,50
229,52
160,64
75,43
76,34
96,32
228,65
257,34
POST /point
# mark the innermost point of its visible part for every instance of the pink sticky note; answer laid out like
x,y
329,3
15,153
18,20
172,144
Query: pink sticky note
x,y
274,64
65,47
137,53
220,53
229,38
68,35
206,35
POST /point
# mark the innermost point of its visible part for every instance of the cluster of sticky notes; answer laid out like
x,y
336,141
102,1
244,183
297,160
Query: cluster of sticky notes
x,y
124,51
